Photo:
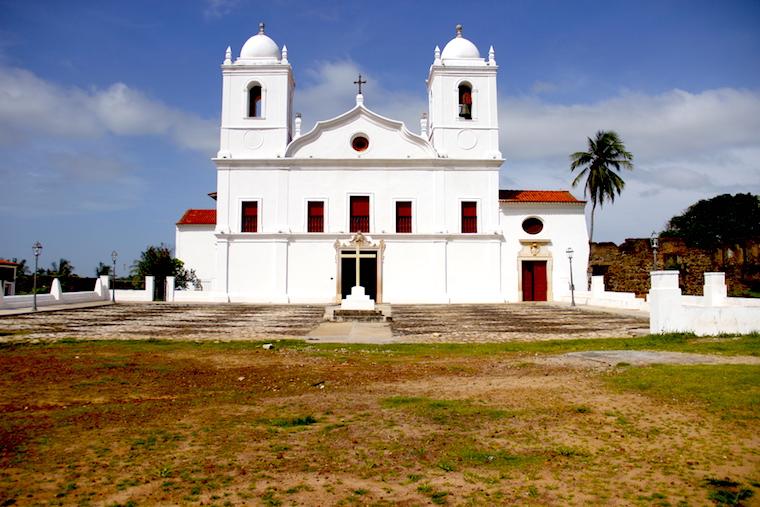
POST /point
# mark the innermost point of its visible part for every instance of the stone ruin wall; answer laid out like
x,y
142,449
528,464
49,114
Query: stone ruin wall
x,y
626,267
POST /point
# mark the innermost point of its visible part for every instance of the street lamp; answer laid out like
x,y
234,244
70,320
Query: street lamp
x,y
36,249
114,256
654,241
569,253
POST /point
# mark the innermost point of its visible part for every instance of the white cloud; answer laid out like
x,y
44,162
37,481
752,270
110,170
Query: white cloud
x,y
686,146
66,183
219,8
31,107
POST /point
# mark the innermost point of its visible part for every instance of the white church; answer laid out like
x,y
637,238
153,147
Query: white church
x,y
362,201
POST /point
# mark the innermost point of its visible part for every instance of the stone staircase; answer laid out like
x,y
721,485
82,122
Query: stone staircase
x,y
381,313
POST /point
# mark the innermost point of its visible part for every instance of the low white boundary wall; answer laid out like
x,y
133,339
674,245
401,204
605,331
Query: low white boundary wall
x,y
711,314
597,296
56,297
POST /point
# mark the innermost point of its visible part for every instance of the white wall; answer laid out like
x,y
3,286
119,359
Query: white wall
x,y
711,314
194,245
564,226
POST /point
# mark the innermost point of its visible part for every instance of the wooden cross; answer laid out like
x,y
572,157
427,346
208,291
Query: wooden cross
x,y
358,255
360,83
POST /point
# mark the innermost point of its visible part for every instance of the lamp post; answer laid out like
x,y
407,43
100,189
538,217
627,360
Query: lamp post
x,y
654,241
36,249
114,256
569,253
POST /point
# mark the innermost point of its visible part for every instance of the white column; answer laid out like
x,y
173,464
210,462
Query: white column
x,y
55,289
150,284
715,289
665,303
597,285
169,288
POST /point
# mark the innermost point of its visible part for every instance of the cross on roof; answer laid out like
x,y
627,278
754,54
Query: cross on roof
x,y
360,83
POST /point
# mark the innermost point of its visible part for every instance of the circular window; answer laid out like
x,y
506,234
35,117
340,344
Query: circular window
x,y
532,225
360,143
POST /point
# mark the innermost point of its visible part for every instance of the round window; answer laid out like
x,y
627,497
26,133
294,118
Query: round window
x,y
360,143
532,225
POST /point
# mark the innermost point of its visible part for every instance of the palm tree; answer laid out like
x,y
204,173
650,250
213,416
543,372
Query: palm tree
x,y
605,156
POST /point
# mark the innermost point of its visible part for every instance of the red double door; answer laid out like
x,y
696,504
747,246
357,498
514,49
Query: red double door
x,y
534,280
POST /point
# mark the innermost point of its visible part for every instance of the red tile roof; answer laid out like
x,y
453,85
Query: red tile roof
x,y
3,262
198,217
537,196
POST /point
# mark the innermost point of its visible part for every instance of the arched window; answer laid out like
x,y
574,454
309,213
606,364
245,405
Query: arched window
x,y
465,101
254,101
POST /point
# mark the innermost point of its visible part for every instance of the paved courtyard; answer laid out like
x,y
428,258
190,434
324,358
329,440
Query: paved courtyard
x,y
412,323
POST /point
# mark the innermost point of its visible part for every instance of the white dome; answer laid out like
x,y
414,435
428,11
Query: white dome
x,y
260,47
460,48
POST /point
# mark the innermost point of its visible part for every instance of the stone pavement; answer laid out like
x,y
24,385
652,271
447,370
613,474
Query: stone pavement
x,y
411,323
351,332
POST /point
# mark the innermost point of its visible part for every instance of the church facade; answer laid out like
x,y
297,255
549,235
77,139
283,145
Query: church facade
x,y
362,200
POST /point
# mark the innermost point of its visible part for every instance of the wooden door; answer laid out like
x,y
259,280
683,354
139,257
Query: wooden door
x,y
534,280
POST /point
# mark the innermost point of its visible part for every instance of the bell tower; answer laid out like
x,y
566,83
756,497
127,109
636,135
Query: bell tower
x,y
463,105
257,100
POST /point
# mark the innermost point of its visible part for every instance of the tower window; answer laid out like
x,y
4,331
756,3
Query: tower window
x,y
250,217
465,101
404,216
469,217
254,101
316,218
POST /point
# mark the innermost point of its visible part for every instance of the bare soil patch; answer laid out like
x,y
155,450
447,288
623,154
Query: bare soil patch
x,y
182,423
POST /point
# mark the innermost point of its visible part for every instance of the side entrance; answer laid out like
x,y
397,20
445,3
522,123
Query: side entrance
x,y
534,280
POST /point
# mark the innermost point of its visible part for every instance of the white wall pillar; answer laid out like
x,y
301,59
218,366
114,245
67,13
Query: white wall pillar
x,y
664,302
1,296
55,289
715,290
597,285
169,289
150,285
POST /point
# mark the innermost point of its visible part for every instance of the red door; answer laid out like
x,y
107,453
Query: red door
x,y
534,280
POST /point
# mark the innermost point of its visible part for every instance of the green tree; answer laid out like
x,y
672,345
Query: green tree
x,y
159,262
102,269
599,166
724,220
62,268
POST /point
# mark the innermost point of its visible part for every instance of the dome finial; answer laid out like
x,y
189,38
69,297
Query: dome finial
x,y
261,27
459,30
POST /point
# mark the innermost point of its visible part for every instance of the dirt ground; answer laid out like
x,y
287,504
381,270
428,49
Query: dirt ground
x,y
142,423
421,323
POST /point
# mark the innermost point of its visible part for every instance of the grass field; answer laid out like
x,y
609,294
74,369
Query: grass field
x,y
146,422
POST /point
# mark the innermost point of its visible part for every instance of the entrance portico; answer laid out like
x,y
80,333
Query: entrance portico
x,y
359,263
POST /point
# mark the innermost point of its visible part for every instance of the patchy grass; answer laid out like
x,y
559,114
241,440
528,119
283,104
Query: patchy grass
x,y
677,342
117,423
730,391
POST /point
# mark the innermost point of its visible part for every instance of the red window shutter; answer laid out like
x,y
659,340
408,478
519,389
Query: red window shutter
x,y
469,217
316,220
316,209
250,219
360,205
359,213
404,216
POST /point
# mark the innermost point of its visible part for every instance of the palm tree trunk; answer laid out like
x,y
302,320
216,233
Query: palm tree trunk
x,y
590,241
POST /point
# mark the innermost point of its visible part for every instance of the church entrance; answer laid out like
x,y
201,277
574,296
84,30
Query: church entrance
x,y
534,280
360,262
366,261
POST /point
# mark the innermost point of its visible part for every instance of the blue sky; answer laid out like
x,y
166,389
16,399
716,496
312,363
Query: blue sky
x,y
109,110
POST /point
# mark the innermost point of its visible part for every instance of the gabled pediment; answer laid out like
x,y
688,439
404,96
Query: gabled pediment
x,y
332,139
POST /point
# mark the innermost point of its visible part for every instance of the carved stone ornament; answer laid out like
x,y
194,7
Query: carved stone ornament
x,y
358,240
535,248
